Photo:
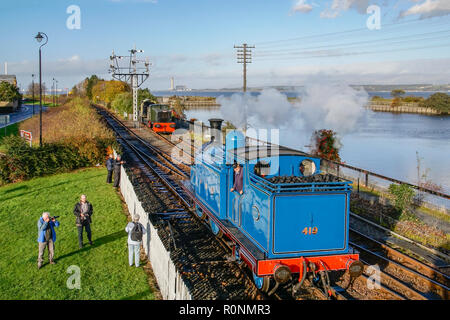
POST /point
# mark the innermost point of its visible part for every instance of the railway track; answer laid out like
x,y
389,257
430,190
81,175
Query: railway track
x,y
177,214
401,276
406,276
199,257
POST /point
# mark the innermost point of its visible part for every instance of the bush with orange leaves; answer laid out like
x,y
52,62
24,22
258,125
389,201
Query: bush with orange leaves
x,y
75,124
325,145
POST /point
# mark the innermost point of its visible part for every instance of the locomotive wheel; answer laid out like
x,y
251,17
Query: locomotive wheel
x,y
262,283
215,229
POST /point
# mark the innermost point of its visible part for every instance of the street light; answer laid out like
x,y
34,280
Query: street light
x,y
53,93
32,86
39,37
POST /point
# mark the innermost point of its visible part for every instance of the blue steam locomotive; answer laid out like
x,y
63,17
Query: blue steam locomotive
x,y
289,219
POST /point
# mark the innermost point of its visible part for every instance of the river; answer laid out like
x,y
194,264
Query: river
x,y
381,142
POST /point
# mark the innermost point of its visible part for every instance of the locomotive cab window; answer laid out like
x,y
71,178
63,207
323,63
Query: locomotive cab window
x,y
307,168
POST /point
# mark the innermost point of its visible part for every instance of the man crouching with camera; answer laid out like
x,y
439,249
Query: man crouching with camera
x,y
46,237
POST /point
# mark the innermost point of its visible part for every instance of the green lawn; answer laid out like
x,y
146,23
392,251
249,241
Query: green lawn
x,y
12,129
105,273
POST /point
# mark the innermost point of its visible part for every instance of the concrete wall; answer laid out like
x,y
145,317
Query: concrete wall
x,y
170,283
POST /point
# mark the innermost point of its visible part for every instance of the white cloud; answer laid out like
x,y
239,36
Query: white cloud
x,y
385,72
429,9
75,68
302,6
338,6
334,8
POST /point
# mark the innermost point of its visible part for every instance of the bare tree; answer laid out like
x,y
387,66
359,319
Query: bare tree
x,y
35,89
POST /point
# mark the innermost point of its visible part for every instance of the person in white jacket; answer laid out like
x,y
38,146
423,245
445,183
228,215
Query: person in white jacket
x,y
135,232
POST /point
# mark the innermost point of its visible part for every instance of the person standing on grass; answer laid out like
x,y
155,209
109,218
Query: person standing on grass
x,y
83,211
110,168
135,232
117,165
46,237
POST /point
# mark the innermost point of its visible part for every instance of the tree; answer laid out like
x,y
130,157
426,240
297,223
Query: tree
x,y
395,102
9,92
397,93
35,89
106,91
89,83
79,89
438,101
325,145
178,108
123,102
144,94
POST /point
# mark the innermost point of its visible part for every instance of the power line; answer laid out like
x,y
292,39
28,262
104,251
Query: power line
x,y
392,41
316,37
276,57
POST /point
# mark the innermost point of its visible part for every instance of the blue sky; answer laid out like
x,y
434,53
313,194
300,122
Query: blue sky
x,y
193,40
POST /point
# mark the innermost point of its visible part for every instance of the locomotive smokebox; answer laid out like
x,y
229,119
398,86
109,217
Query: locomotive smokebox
x,y
216,129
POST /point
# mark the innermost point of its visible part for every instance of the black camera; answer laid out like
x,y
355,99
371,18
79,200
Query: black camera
x,y
54,217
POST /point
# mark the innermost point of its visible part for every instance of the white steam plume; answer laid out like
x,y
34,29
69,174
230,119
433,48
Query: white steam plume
x,y
332,106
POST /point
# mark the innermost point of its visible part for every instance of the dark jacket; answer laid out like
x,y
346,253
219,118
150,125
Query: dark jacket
x,y
117,166
239,180
77,212
110,164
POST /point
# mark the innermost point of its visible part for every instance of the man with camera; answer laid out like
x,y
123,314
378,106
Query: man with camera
x,y
83,211
46,237
117,166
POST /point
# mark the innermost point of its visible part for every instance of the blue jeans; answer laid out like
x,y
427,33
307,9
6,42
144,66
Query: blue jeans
x,y
133,249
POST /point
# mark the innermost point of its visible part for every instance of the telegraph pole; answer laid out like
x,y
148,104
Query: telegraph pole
x,y
244,56
132,73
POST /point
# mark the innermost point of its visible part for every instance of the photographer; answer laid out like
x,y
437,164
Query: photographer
x,y
117,166
46,237
83,211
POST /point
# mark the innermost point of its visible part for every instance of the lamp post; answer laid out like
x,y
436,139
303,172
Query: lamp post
x,y
39,38
53,91
32,86
56,92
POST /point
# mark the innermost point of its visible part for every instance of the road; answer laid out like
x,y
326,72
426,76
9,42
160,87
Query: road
x,y
25,112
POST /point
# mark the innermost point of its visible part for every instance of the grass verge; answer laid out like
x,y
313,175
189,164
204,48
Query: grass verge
x,y
12,129
105,273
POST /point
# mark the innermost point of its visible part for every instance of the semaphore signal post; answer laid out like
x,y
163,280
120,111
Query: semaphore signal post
x,y
133,71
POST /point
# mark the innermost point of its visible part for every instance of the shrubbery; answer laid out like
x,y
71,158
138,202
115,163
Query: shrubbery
x,y
123,102
23,162
325,145
74,136
438,101
9,92
402,197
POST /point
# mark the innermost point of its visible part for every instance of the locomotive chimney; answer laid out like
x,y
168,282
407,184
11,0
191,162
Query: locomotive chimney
x,y
216,129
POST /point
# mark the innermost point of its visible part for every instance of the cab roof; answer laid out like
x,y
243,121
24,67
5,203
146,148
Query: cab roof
x,y
255,152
